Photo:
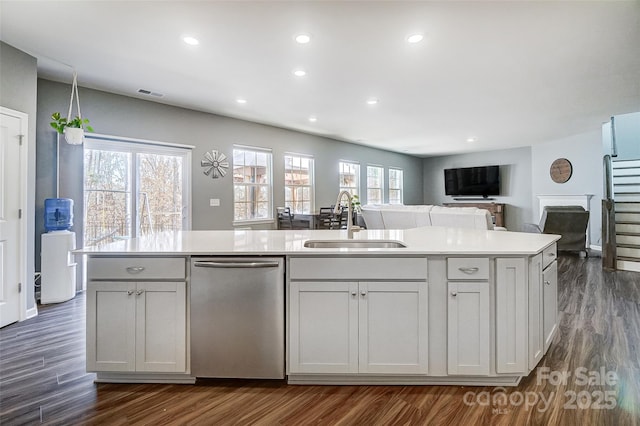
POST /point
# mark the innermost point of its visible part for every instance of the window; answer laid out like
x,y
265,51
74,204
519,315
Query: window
x,y
375,184
251,184
350,177
133,189
395,186
298,183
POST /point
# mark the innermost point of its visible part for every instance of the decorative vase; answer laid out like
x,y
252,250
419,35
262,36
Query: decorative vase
x,y
74,135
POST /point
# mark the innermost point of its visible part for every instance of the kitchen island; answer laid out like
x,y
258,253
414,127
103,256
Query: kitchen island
x,y
446,306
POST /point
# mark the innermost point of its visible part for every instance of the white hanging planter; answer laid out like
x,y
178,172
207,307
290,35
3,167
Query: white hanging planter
x,y
73,129
74,135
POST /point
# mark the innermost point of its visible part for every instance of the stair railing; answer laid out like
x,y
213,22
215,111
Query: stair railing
x,y
608,218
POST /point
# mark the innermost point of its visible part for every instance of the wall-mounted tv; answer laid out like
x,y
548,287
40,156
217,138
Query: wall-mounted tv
x,y
472,181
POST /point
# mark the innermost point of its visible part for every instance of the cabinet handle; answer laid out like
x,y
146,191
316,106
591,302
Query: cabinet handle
x,y
469,271
139,292
130,292
363,293
454,293
353,293
551,254
135,269
547,282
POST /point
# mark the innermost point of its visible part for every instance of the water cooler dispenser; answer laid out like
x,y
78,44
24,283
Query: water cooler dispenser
x,y
58,280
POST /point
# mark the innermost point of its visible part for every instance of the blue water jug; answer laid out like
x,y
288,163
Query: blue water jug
x,y
58,214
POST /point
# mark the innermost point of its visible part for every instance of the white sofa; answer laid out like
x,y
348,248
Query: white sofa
x,y
393,216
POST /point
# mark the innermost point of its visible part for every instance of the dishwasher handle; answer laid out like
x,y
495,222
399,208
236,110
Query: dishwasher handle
x,y
218,264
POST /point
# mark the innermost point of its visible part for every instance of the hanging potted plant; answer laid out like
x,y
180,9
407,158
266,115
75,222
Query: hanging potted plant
x,y
72,129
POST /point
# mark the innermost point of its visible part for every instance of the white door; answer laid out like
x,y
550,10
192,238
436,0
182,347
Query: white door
x,y
323,327
550,307
161,324
111,332
511,316
468,328
393,327
10,244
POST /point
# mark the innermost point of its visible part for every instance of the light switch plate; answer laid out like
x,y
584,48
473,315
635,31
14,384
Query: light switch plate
x,y
214,202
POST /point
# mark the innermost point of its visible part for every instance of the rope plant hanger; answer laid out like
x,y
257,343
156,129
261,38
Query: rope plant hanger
x,y
73,129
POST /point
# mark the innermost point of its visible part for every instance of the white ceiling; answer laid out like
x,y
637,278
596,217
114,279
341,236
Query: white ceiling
x,y
510,73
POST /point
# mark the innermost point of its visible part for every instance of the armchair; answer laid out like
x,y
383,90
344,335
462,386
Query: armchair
x,y
568,221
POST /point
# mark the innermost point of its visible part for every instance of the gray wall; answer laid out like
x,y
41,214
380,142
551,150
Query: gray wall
x,y
134,118
18,75
515,180
584,151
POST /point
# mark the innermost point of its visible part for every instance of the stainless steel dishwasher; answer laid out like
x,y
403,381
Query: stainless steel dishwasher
x,y
237,317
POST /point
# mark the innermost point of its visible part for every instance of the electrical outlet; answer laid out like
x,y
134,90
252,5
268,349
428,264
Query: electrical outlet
x,y
214,202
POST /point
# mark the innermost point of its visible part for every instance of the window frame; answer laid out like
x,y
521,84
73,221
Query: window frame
x,y
268,185
381,188
134,147
400,189
311,185
356,174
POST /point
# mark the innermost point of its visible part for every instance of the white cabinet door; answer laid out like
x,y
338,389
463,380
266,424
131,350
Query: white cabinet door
x,y
511,316
323,327
110,326
468,328
550,307
536,339
393,327
161,323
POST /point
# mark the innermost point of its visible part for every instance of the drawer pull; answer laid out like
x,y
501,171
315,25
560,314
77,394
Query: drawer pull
x,y
454,293
135,269
129,292
469,271
139,292
551,254
547,282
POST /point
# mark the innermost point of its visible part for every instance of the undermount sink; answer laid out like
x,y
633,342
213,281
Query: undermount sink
x,y
353,244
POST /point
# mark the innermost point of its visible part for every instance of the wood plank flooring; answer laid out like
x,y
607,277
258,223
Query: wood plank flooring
x,y
42,377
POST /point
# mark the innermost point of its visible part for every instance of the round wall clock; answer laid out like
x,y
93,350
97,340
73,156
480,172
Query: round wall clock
x,y
214,164
561,170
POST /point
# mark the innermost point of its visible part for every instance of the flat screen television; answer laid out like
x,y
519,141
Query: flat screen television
x,y
472,181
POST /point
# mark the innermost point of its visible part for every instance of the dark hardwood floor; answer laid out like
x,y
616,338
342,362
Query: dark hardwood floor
x,y
42,377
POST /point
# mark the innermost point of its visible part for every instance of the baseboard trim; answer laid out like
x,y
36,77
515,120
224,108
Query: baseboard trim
x,y
320,379
33,312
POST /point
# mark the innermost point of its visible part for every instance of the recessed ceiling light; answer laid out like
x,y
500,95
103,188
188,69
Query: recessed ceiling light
x,y
303,38
313,119
241,101
191,41
414,38
372,101
299,73
472,139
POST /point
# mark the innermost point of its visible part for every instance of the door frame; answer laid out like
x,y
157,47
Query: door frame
x,y
22,233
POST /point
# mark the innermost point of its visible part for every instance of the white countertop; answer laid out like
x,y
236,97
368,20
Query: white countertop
x,y
419,241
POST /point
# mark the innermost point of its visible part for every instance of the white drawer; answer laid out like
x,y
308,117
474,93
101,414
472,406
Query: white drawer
x,y
549,255
468,268
137,268
360,268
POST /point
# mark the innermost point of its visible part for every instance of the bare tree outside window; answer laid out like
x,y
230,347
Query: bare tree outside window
x,y
375,184
350,177
298,183
251,184
132,190
396,186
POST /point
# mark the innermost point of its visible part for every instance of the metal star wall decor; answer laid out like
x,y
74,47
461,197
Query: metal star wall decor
x,y
215,164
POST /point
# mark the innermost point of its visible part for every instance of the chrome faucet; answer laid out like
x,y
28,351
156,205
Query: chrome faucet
x,y
351,228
